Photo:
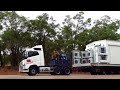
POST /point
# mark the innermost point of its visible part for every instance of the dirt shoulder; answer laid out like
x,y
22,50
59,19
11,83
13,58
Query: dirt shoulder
x,y
9,71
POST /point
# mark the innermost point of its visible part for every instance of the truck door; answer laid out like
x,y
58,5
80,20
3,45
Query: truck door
x,y
23,59
34,56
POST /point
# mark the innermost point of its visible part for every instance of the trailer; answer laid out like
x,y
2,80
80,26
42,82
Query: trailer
x,y
99,57
33,63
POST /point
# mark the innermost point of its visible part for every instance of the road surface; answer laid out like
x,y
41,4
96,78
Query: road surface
x,y
72,76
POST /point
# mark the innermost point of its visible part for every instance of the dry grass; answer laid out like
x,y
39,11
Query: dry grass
x,y
8,70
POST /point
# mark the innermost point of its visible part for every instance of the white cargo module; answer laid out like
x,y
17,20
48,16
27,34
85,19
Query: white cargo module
x,y
103,54
105,51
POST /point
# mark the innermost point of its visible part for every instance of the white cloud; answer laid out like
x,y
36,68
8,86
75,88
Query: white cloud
x,y
57,15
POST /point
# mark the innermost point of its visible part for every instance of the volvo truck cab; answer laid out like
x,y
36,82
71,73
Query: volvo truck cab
x,y
33,62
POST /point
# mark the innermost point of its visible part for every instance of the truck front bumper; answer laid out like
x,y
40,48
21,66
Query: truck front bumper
x,y
21,69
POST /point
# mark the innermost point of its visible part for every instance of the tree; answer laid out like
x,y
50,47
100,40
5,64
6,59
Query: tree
x,y
43,29
73,26
105,28
13,25
1,59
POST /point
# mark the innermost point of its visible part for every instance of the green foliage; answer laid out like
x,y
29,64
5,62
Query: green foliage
x,y
103,29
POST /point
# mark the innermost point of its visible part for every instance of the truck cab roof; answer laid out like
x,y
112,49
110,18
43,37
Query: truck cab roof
x,y
37,47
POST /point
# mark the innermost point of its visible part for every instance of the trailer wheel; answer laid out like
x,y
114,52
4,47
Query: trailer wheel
x,y
32,71
108,72
118,72
104,73
100,73
93,73
112,72
115,72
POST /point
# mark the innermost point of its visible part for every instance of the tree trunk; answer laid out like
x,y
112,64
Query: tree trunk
x,y
14,61
1,59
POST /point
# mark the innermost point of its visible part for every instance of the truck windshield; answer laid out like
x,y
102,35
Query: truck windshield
x,y
24,55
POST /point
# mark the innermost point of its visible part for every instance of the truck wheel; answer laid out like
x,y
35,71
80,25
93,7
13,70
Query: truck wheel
x,y
28,73
100,73
118,72
115,72
103,72
93,73
67,71
32,71
52,73
108,72
57,71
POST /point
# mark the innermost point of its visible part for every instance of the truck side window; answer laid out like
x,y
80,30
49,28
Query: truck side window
x,y
35,53
37,48
32,53
24,55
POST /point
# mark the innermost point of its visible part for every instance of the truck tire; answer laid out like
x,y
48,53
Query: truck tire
x,y
28,73
67,71
32,71
116,72
108,72
52,73
103,72
57,71
93,71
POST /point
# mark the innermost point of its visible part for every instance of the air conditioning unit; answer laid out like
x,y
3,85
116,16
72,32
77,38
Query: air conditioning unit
x,y
102,54
83,54
102,51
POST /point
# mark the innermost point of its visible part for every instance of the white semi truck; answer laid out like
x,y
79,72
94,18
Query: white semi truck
x,y
33,62
99,57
